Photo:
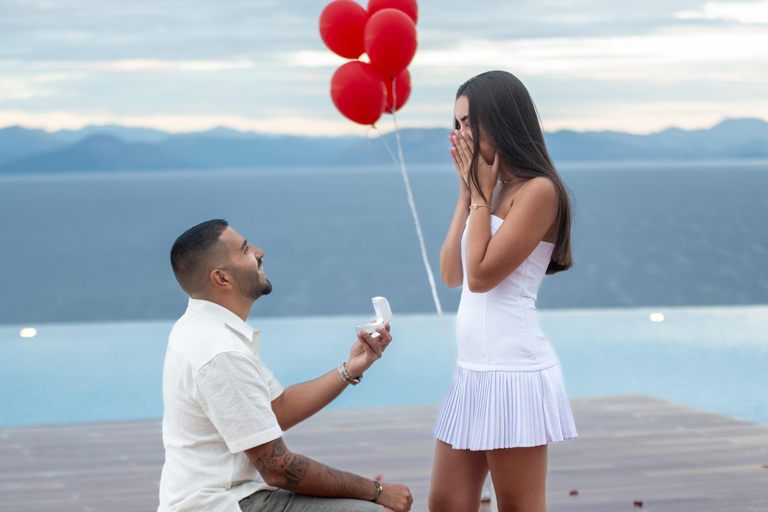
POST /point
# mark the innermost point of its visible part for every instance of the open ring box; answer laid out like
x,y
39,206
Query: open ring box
x,y
383,315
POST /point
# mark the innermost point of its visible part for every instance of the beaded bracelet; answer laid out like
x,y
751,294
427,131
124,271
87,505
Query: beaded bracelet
x,y
345,376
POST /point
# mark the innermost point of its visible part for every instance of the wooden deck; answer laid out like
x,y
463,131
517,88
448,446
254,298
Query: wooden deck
x,y
631,448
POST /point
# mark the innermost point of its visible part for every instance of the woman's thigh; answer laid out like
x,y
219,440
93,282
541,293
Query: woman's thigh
x,y
457,479
519,478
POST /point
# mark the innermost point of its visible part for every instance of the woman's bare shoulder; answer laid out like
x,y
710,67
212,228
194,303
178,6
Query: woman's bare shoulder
x,y
539,189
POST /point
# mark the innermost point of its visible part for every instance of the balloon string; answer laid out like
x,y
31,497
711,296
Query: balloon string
x,y
412,203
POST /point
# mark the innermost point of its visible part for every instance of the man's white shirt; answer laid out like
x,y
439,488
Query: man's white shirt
x,y
217,396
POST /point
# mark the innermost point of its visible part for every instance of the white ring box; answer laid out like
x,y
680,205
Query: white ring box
x,y
383,315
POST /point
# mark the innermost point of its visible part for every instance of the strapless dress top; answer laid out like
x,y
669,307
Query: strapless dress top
x,y
499,329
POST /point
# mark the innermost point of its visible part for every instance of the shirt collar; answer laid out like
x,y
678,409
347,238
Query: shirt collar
x,y
231,320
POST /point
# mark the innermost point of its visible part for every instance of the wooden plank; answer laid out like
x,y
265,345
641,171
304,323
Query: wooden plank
x,y
630,448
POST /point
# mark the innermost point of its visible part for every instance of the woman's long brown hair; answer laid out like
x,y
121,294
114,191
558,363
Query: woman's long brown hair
x,y
501,105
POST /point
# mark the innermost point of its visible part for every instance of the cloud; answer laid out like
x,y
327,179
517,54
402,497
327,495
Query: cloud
x,y
261,64
12,88
448,21
285,124
665,57
140,65
155,29
648,117
314,59
753,13
640,117
605,58
27,87
130,65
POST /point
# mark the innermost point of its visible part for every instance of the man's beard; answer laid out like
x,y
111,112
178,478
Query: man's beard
x,y
250,284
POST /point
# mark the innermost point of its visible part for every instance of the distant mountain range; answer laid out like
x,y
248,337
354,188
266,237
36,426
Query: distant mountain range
x,y
103,148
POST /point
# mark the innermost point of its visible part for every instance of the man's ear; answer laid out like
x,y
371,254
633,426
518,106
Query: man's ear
x,y
221,279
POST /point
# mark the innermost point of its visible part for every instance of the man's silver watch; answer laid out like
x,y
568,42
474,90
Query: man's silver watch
x,y
345,376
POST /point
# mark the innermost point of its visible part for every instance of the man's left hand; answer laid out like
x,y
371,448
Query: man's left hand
x,y
367,350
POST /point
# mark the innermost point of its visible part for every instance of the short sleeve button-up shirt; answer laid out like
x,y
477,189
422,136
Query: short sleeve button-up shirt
x,y
217,396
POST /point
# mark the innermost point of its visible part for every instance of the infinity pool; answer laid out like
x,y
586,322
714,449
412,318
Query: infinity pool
x,y
714,358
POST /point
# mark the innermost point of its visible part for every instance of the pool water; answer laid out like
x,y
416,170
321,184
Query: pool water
x,y
713,358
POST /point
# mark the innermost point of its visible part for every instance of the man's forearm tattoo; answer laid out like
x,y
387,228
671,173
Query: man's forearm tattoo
x,y
293,468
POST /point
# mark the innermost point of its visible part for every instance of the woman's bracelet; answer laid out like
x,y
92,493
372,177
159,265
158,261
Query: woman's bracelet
x,y
345,376
478,205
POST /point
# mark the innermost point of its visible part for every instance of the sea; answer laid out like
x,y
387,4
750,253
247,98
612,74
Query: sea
x,y
94,247
668,295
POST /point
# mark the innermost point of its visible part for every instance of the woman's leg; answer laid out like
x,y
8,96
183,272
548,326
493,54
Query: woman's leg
x,y
520,478
457,479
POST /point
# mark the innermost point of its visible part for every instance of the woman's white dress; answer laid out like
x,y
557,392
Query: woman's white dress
x,y
507,390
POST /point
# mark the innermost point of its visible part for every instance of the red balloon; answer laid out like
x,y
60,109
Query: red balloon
x,y
390,41
358,92
342,24
409,7
402,90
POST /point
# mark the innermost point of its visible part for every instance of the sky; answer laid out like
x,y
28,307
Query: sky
x,y
260,65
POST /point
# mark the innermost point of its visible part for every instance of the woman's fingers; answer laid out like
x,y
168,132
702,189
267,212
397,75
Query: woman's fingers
x,y
460,170
455,160
461,155
463,145
458,152
469,143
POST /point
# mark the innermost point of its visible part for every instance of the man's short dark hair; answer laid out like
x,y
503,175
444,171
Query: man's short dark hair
x,y
190,253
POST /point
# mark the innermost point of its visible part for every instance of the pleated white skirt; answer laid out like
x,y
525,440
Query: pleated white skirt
x,y
487,410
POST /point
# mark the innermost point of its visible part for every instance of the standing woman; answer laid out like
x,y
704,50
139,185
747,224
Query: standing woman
x,y
507,399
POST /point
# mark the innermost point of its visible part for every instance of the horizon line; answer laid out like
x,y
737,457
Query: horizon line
x,y
233,127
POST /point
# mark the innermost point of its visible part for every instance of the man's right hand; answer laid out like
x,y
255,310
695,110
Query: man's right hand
x,y
280,467
366,350
395,497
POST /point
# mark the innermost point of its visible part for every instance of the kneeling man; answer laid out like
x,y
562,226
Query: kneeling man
x,y
224,410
